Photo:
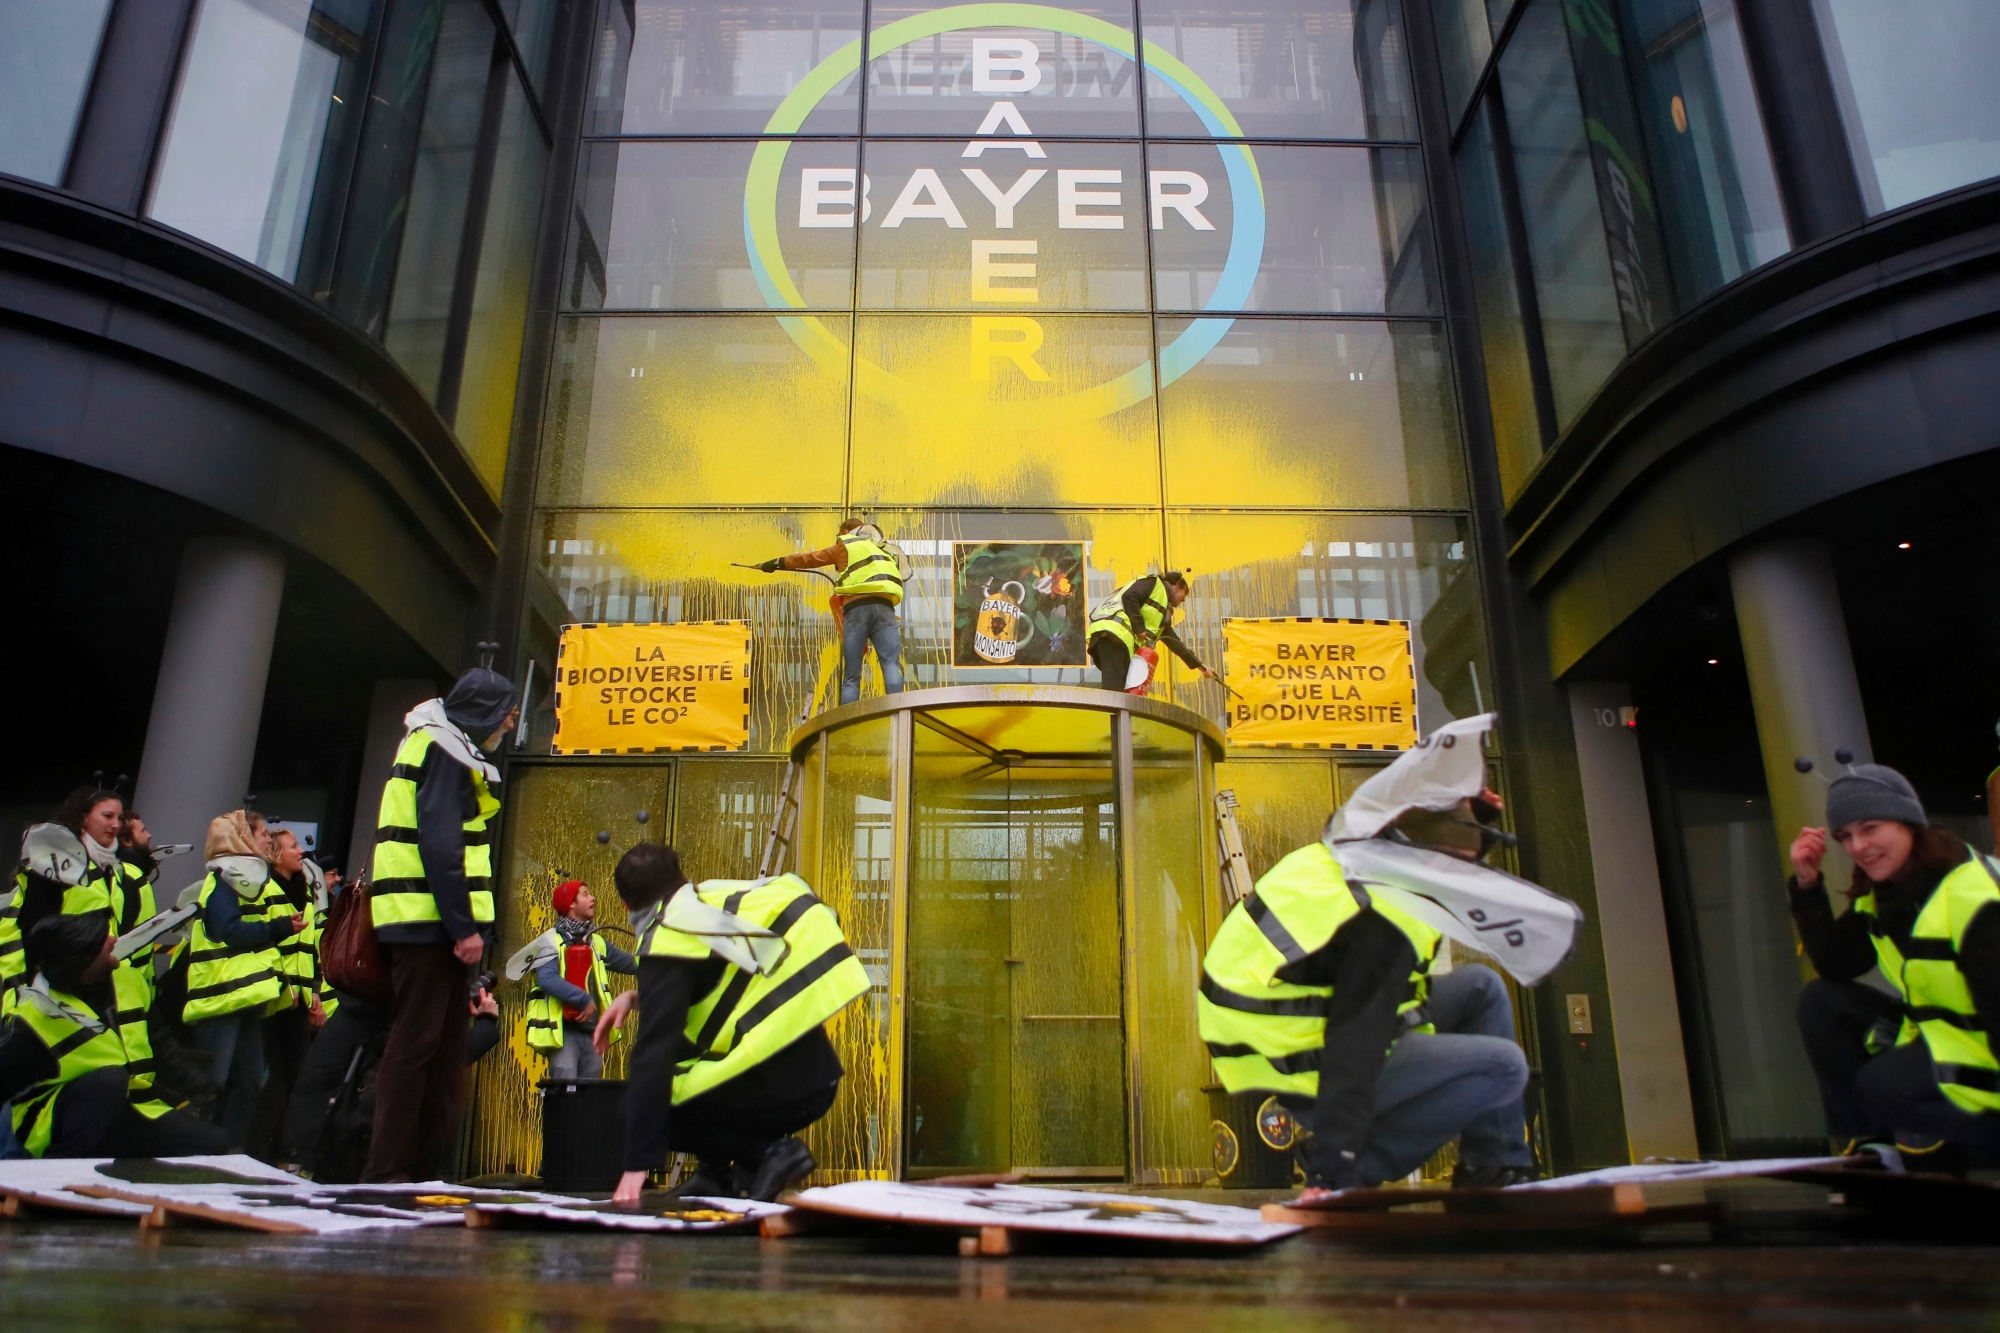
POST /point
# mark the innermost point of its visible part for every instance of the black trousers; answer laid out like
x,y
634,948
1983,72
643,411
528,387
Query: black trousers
x,y
288,1037
1112,658
94,1118
718,1129
1879,1096
346,1031
423,1065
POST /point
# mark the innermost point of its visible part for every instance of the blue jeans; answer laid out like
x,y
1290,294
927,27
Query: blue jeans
x,y
235,1047
876,623
1465,1081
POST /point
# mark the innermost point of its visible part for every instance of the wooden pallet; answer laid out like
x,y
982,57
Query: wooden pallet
x,y
165,1213
23,1205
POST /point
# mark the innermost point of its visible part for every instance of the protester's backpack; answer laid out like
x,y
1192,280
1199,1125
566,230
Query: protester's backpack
x,y
352,958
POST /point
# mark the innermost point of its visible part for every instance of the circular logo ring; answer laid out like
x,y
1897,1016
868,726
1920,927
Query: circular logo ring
x,y
1246,188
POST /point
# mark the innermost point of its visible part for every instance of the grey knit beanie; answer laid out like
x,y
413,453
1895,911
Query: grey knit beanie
x,y
1872,791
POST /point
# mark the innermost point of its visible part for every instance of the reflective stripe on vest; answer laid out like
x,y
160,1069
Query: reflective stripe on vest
x,y
1155,614
101,891
400,893
298,956
223,978
137,904
1268,1035
871,571
1938,1002
79,1049
13,955
746,1019
545,1011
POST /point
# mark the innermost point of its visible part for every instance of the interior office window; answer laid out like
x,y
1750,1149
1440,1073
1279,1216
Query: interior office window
x,y
1341,413
1503,335
1711,164
685,67
439,190
659,226
1066,231
1583,332
1917,93
950,83
47,53
1464,41
1286,69
499,312
1343,228
263,126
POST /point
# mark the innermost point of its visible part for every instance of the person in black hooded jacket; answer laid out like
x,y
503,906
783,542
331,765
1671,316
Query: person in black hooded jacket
x,y
423,911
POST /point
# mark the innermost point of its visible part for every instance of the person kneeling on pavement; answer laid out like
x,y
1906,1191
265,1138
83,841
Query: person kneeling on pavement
x,y
76,1070
1321,994
736,980
1916,1067
571,964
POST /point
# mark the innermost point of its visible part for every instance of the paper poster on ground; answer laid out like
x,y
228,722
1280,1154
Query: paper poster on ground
x,y
636,689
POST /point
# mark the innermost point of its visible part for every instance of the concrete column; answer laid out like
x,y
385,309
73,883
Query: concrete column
x,y
1802,683
386,706
202,735
1638,965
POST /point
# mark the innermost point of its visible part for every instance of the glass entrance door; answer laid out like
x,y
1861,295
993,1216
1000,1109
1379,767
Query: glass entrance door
x,y
1016,1037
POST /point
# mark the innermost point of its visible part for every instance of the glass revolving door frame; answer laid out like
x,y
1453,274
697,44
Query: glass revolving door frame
x,y
877,1052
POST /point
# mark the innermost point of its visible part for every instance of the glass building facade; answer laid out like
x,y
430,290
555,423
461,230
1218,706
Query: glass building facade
x,y
1162,281
386,157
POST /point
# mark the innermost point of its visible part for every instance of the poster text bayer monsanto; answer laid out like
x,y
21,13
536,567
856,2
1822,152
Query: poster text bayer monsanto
x,y
1322,684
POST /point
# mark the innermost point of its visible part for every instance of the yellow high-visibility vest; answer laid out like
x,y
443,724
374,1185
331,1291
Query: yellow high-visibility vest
x,y
401,892
1268,1035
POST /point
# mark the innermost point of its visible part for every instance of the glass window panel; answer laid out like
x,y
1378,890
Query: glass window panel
x,y
1718,198
441,181
1005,231
1582,332
1003,410
262,130
533,24
1119,547
1917,93
1170,923
1286,69
660,227
498,322
1503,337
1343,229
701,409
695,68
1281,803
1349,414
1464,41
1027,81
47,53
1377,568
671,567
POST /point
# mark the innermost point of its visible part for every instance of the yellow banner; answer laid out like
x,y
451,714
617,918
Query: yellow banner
x,y
632,689
1320,684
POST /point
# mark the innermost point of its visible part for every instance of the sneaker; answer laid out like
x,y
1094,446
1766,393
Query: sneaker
x,y
784,1164
711,1180
1465,1177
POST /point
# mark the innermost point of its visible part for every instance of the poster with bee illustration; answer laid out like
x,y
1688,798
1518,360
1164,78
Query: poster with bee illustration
x,y
1018,604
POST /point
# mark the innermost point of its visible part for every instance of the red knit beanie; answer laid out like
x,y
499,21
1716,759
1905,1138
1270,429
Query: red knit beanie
x,y
566,895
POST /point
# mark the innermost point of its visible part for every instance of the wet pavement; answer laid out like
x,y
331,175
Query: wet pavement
x,y
1779,1264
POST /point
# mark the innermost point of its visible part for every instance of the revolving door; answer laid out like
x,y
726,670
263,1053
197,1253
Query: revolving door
x,y
1026,873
